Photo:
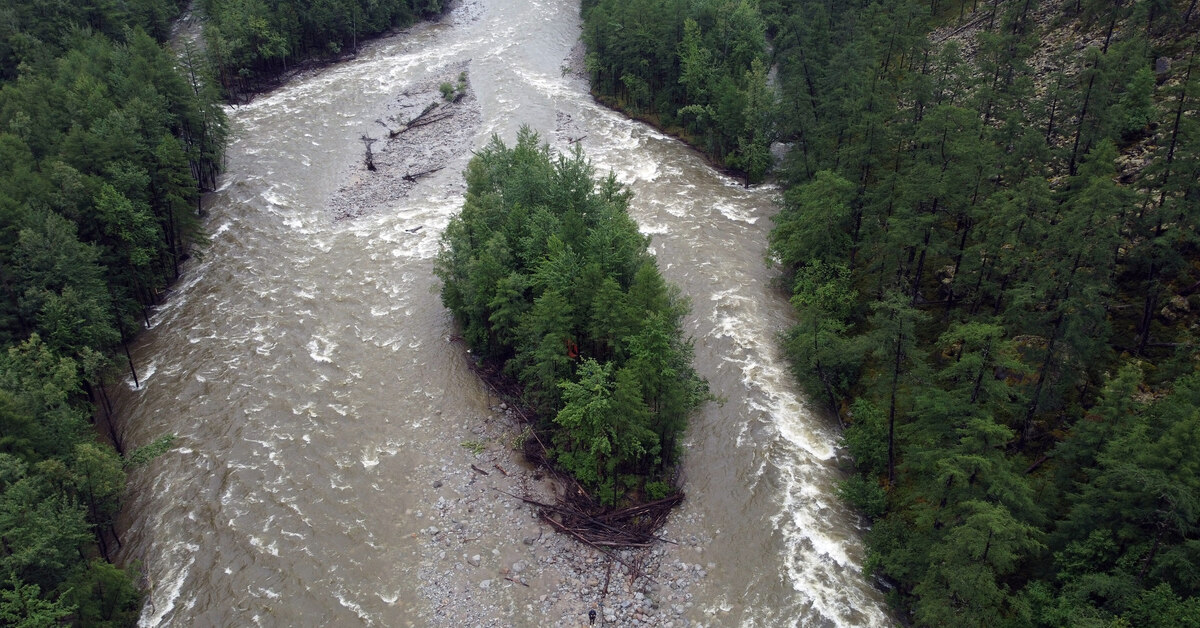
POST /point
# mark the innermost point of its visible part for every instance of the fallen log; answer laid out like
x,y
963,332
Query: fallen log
x,y
428,115
412,177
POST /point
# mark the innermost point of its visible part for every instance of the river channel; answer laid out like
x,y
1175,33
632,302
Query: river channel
x,y
305,367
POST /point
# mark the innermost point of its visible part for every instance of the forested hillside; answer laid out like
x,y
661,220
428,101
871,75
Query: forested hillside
x,y
992,245
250,40
550,279
105,143
989,230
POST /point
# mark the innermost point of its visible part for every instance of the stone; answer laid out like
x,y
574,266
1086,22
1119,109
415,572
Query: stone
x,y
518,567
474,560
485,585
1162,66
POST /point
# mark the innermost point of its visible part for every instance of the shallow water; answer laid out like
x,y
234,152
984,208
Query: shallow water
x,y
305,365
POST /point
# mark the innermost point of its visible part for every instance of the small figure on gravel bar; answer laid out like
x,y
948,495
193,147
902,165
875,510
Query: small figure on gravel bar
x,y
592,617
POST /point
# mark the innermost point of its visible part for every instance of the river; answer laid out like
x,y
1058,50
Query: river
x,y
305,367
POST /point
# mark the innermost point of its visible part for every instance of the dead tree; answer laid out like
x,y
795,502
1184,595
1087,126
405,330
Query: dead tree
x,y
430,114
369,157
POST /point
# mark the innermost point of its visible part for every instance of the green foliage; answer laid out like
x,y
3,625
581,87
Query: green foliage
x,y
815,223
698,65
824,357
104,595
980,253
657,490
866,438
476,447
548,276
146,453
44,529
106,139
22,606
864,493
1136,106
251,39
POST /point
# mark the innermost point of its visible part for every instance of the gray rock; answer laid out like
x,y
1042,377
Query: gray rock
x,y
474,560
1162,66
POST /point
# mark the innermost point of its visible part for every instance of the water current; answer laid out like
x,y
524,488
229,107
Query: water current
x,y
304,364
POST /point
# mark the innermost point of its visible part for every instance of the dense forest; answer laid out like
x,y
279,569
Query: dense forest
x,y
249,41
550,279
107,139
105,142
992,245
989,233
695,68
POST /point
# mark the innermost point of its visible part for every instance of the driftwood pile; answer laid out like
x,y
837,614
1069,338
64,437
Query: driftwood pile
x,y
634,526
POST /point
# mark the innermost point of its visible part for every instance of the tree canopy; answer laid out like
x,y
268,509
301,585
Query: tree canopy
x,y
549,277
106,140
250,40
695,67
994,274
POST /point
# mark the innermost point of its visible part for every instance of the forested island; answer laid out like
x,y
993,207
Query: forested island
x,y
989,231
554,287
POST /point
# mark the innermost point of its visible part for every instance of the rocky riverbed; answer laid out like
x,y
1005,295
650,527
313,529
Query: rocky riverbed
x,y
489,561
420,133
487,558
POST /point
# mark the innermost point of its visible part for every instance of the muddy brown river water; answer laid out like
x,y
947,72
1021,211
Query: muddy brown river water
x,y
305,367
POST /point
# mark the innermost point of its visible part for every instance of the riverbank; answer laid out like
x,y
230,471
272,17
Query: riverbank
x,y
487,557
